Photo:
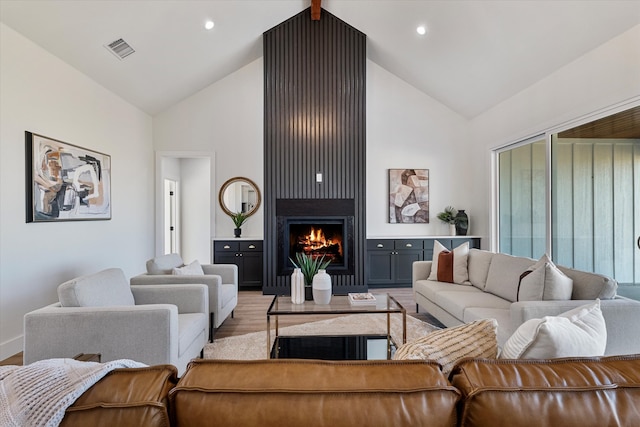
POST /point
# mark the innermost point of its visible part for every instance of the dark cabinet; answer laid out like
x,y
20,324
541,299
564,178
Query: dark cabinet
x,y
247,255
449,243
390,261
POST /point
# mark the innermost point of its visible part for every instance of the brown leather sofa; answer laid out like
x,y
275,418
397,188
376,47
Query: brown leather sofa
x,y
580,392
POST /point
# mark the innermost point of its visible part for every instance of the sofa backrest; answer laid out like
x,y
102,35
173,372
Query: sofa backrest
x,y
590,286
499,274
584,392
105,288
478,265
164,264
504,275
314,393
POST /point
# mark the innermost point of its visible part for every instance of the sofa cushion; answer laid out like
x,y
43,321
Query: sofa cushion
x,y
478,266
457,302
313,393
575,333
589,286
193,269
450,266
133,396
544,281
164,264
504,275
447,346
105,288
430,288
567,392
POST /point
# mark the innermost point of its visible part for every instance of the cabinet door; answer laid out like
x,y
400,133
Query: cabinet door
x,y
404,265
252,269
228,258
380,267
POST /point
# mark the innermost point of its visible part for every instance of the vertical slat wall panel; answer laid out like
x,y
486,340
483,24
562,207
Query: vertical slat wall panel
x,y
314,122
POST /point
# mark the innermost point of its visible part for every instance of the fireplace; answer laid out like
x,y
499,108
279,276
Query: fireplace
x,y
318,234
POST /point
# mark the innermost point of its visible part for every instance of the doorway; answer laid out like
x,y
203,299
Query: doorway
x,y
184,223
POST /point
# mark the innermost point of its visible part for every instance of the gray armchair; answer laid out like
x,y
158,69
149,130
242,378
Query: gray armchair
x,y
101,313
222,280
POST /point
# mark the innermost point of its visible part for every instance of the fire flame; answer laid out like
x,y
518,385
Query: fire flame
x,y
316,240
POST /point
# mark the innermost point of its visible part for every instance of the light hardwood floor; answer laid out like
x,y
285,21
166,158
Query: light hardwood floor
x,y
250,314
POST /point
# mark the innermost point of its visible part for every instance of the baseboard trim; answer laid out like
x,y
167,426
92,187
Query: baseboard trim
x,y
11,347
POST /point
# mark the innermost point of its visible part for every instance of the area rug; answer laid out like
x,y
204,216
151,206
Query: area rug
x,y
253,346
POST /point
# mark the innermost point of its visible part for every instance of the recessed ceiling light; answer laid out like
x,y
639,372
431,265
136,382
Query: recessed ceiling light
x,y
209,25
422,30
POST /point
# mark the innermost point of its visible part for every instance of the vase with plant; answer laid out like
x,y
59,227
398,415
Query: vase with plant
x,y
449,216
238,218
309,265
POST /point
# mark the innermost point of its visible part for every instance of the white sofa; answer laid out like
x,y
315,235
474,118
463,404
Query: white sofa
x,y
101,313
493,292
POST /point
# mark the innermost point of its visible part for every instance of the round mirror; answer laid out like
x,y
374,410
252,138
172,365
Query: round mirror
x,y
239,194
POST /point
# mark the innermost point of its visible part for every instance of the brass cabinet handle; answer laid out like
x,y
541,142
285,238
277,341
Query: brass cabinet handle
x,y
252,246
409,245
380,245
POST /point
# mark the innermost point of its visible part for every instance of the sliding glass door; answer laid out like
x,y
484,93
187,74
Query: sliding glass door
x,y
596,205
593,197
522,198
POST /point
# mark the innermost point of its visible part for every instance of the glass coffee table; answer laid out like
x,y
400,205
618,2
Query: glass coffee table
x,y
282,306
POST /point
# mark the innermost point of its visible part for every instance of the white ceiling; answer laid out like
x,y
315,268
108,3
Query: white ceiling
x,y
475,55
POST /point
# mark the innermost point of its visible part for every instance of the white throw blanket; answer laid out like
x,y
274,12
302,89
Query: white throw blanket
x,y
39,394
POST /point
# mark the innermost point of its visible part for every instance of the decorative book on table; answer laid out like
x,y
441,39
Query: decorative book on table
x,y
362,298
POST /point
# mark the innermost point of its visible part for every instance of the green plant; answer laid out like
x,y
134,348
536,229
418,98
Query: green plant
x,y
239,218
449,215
309,265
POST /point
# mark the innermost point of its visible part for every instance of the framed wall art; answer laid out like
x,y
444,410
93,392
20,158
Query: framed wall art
x,y
408,196
65,182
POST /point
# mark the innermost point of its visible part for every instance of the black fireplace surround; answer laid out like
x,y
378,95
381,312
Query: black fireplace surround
x,y
330,219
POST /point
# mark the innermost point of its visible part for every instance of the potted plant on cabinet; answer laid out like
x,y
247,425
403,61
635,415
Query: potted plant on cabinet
x,y
449,216
238,218
458,220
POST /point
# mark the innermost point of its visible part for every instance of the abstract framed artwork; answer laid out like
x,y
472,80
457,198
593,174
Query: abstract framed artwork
x,y
408,196
65,182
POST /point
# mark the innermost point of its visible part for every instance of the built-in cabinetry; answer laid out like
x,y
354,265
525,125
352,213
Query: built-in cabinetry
x,y
389,261
246,254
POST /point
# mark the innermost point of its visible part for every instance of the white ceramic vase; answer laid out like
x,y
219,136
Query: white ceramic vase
x,y
297,286
321,288
452,229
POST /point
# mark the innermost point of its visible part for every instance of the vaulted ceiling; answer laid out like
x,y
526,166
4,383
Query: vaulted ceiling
x,y
475,53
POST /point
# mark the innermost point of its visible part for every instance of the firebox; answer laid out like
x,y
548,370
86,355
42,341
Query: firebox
x,y
317,239
328,236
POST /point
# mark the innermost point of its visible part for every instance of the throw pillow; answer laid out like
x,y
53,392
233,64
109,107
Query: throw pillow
x,y
580,332
447,346
193,269
544,281
450,266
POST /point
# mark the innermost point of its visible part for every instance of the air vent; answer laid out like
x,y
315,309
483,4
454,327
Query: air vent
x,y
120,48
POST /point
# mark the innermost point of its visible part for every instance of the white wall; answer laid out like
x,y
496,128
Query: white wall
x,y
407,129
41,94
196,210
225,118
604,77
